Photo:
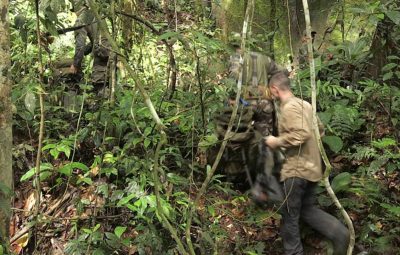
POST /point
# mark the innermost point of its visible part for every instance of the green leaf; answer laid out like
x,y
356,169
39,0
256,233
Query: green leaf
x,y
67,168
96,227
126,200
335,143
55,153
80,166
31,172
49,146
85,180
394,16
147,142
341,182
384,143
30,102
387,76
388,67
395,210
118,231
64,148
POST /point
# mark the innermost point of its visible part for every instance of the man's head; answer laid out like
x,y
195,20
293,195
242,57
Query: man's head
x,y
279,86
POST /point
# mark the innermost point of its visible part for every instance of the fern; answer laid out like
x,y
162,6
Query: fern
x,y
364,152
345,121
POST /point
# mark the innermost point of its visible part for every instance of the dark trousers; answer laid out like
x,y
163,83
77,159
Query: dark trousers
x,y
300,204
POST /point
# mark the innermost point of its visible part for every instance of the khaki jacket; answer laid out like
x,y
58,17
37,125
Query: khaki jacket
x,y
296,135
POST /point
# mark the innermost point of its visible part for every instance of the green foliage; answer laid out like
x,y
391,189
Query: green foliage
x,y
45,172
341,182
335,143
112,149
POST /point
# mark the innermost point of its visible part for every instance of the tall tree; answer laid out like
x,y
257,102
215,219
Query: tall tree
x,y
6,176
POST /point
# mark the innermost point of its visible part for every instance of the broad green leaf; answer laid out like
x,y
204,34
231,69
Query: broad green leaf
x,y
49,146
109,158
30,102
64,148
394,16
126,200
147,142
96,227
66,169
118,231
341,182
85,180
55,153
335,143
136,140
80,166
388,67
387,76
31,172
88,231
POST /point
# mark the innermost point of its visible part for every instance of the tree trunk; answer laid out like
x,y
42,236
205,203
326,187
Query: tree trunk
x,y
384,44
6,176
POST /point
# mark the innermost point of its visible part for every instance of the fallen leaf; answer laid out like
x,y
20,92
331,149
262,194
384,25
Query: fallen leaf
x,y
20,243
29,203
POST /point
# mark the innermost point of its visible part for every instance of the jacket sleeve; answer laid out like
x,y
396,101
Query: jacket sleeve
x,y
295,128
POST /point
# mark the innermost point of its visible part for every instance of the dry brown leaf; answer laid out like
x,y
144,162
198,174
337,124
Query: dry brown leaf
x,y
20,243
94,171
29,203
57,247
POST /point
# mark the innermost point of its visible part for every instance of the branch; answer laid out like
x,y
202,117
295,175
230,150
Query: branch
x,y
141,20
41,126
210,174
316,130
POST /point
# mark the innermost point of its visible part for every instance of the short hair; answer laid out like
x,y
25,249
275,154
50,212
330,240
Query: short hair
x,y
281,80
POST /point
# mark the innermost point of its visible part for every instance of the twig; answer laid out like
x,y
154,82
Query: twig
x,y
316,130
41,127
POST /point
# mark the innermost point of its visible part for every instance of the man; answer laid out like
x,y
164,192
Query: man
x,y
257,69
301,171
99,46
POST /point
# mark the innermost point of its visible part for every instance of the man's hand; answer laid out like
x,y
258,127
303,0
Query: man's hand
x,y
272,142
73,69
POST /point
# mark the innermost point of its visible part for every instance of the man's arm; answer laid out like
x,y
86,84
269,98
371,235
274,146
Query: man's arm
x,y
296,129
